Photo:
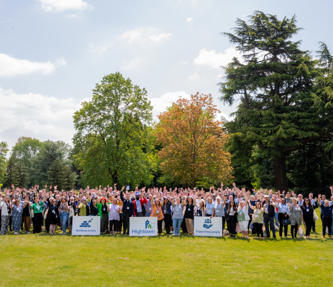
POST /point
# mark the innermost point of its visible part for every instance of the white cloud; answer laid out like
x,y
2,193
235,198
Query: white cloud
x,y
161,103
215,60
10,66
100,49
141,36
35,115
131,64
63,5
145,34
194,76
189,19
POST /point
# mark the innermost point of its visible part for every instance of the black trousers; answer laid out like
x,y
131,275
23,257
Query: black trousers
x,y
159,226
308,225
104,223
281,218
126,223
257,229
37,222
113,225
184,226
120,222
232,221
47,225
223,223
167,222
327,222
294,229
248,226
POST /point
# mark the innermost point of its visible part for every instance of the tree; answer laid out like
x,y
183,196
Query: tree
x,y
54,156
274,81
60,175
21,169
33,162
112,142
193,143
3,161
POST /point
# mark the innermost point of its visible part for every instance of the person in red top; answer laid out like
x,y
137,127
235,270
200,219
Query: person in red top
x,y
138,203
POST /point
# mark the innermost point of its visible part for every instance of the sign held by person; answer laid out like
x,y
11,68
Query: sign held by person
x,y
143,226
207,226
86,225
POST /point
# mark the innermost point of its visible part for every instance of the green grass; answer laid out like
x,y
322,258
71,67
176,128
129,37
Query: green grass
x,y
44,260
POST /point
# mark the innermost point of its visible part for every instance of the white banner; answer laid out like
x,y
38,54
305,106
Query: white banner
x,y
206,226
143,226
86,225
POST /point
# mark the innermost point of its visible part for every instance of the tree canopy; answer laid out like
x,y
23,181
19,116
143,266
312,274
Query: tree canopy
x,y
112,142
193,143
281,110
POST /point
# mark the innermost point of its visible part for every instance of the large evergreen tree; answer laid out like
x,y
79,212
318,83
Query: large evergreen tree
x,y
275,82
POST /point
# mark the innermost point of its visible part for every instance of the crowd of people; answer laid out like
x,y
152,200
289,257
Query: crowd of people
x,y
262,213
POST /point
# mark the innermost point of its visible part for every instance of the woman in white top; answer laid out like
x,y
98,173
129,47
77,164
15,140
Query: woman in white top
x,y
243,218
114,217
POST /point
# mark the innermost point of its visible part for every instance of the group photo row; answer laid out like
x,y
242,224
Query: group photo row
x,y
218,212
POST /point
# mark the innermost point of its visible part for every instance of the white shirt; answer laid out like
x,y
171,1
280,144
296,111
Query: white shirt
x,y
4,208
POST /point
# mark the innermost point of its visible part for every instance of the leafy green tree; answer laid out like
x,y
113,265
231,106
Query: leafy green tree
x,y
3,161
33,162
113,142
22,159
274,81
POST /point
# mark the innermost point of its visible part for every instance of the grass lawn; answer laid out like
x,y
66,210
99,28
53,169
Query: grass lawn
x,y
44,260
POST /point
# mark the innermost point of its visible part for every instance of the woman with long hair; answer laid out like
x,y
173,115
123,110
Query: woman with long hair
x,y
64,214
308,211
295,217
257,218
157,212
37,209
52,216
232,218
189,215
177,215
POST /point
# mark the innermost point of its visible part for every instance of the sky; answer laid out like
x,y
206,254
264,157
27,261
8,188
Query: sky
x,y
53,52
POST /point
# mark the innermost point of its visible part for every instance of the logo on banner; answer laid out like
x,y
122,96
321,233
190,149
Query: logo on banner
x,y
86,223
207,224
148,225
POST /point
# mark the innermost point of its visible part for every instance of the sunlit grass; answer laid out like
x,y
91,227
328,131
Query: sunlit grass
x,y
44,260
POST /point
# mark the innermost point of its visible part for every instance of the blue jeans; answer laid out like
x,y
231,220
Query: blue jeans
x,y
64,221
269,223
177,222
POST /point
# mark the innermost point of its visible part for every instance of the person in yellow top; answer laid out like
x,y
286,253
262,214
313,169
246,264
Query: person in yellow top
x,y
120,204
157,212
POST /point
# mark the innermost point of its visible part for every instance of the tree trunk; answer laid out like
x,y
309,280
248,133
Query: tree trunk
x,y
280,172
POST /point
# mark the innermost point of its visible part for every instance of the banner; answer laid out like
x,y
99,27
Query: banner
x,y
86,225
143,226
206,226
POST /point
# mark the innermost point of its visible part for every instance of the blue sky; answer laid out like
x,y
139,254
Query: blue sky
x,y
53,52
